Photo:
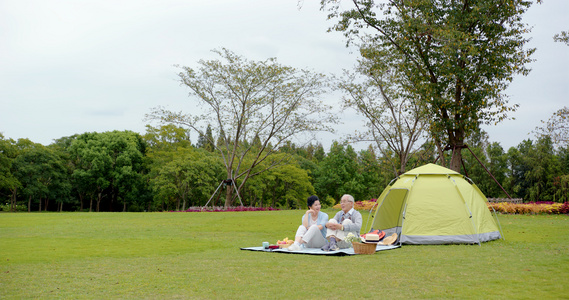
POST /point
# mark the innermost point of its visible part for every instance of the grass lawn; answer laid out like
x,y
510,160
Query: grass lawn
x,y
196,255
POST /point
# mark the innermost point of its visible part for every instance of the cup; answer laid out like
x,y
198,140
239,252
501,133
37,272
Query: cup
x,y
266,245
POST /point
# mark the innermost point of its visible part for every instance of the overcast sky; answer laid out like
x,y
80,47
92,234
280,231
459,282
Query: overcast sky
x,y
78,66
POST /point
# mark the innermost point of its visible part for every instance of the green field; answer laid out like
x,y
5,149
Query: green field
x,y
197,255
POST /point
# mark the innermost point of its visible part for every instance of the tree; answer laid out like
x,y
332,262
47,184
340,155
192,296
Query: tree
x,y
426,154
373,179
498,166
319,153
169,145
188,179
249,99
110,165
557,128
166,137
8,181
43,175
534,167
339,173
285,186
561,182
61,146
394,120
206,141
458,56
544,167
309,157
562,37
93,166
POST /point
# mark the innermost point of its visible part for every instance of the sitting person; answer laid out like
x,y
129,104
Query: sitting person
x,y
345,221
312,232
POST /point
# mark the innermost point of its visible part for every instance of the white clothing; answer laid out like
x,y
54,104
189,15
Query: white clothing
x,y
340,235
311,236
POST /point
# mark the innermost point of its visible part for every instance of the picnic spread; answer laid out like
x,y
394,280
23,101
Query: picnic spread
x,y
368,243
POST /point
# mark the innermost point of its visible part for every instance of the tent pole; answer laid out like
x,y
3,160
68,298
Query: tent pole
x,y
510,197
499,225
370,216
495,180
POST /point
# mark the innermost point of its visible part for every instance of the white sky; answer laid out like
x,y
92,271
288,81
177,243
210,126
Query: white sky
x,y
75,66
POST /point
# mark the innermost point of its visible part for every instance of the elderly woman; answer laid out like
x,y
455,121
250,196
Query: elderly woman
x,y
312,232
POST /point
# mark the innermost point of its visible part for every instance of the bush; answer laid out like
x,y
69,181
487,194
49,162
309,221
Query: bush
x,y
328,202
564,208
530,208
19,207
361,205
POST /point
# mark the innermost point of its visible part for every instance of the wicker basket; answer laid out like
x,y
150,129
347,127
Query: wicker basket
x,y
361,248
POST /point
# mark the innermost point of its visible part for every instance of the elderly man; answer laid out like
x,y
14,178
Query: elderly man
x,y
345,221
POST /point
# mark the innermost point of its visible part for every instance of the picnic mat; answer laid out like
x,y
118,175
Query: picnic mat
x,y
318,251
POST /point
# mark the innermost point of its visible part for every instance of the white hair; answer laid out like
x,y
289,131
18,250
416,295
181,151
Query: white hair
x,y
348,197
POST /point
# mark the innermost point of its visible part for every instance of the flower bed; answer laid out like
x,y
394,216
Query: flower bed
x,y
530,208
361,205
501,207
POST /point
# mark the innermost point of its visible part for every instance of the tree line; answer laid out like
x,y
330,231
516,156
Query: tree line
x,y
430,74
162,171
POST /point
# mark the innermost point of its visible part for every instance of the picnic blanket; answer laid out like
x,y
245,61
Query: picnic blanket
x,y
318,251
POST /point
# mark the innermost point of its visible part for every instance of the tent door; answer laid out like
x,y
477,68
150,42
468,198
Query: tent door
x,y
389,214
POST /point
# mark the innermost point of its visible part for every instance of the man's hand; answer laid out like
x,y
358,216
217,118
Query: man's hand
x,y
333,226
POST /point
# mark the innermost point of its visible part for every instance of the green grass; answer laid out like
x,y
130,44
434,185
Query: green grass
x,y
196,255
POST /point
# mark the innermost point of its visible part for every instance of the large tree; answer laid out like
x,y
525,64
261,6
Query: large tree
x,y
557,128
340,173
285,186
373,178
458,56
188,179
535,167
253,108
43,174
109,165
395,120
8,181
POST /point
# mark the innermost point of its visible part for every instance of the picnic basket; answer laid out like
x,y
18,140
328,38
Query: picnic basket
x,y
361,248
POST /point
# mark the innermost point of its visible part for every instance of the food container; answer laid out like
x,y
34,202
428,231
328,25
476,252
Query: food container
x,y
361,248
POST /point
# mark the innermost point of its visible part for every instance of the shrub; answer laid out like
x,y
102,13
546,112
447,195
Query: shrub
x,y
530,208
19,207
329,201
361,205
564,209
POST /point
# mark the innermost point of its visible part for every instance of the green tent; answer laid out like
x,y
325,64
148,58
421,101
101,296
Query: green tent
x,y
435,205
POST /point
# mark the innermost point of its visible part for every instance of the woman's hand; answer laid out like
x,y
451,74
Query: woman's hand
x,y
311,211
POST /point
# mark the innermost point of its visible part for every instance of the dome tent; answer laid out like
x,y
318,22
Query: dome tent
x,y
435,205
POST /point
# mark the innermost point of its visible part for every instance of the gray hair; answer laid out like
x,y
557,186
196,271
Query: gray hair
x,y
350,198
